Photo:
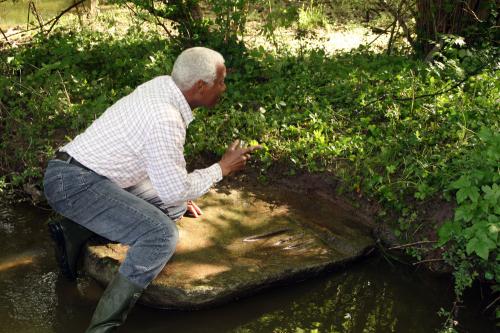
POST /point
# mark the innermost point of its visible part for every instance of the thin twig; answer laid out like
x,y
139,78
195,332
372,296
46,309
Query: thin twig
x,y
427,260
406,31
470,11
4,36
391,37
161,24
28,18
55,19
388,256
402,246
64,86
2,106
79,16
131,9
38,17
28,88
395,28
492,303
396,13
22,31
379,34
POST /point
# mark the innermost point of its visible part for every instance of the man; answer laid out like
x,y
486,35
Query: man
x,y
125,178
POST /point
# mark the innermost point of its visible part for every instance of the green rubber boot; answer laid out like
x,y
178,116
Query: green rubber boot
x,y
115,304
69,238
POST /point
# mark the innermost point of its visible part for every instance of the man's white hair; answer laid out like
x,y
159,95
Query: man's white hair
x,y
196,63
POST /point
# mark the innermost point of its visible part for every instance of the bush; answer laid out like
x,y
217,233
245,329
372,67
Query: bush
x,y
55,87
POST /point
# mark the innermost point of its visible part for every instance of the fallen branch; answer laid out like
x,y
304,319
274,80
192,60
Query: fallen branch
x,y
492,303
426,260
456,85
440,92
411,244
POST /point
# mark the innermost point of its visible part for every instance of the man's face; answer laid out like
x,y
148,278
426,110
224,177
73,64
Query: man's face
x,y
212,93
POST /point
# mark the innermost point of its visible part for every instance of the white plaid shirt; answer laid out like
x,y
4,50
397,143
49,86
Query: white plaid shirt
x,y
142,135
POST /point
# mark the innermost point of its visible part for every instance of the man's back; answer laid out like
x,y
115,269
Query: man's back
x,y
113,145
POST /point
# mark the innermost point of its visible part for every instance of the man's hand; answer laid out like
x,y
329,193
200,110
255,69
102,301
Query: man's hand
x,y
235,158
193,210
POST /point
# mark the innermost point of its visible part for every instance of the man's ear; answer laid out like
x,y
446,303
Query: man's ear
x,y
200,86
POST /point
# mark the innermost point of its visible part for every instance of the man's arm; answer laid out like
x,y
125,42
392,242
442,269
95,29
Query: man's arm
x,y
166,166
164,161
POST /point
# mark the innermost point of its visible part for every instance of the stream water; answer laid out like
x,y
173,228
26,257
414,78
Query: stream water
x,y
373,295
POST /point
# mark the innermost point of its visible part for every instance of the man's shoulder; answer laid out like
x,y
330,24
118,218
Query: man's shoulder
x,y
157,100
158,81
154,94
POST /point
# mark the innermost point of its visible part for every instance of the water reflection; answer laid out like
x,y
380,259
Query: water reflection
x,y
367,298
18,260
370,296
27,301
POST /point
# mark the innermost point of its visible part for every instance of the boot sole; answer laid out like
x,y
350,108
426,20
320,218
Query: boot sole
x,y
56,233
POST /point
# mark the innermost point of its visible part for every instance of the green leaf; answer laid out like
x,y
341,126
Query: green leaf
x,y
471,192
462,182
474,245
447,231
485,134
464,213
481,246
492,194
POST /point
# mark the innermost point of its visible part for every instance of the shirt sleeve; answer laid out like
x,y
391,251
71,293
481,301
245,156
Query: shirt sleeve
x,y
166,167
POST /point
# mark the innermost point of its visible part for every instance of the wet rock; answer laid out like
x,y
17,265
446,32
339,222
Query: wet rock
x,y
246,240
34,192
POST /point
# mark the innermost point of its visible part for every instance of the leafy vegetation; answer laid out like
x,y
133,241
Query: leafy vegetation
x,y
474,229
405,133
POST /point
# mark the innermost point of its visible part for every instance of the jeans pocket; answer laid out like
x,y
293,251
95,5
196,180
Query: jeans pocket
x,y
74,184
53,188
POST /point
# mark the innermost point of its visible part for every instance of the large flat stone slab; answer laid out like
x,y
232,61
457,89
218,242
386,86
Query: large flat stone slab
x,y
246,240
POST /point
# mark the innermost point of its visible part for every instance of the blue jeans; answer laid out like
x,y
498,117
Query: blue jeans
x,y
133,216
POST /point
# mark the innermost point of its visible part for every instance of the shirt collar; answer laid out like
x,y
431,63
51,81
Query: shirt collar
x,y
179,101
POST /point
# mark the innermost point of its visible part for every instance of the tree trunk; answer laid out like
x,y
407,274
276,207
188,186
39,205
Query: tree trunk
x,y
94,4
436,17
